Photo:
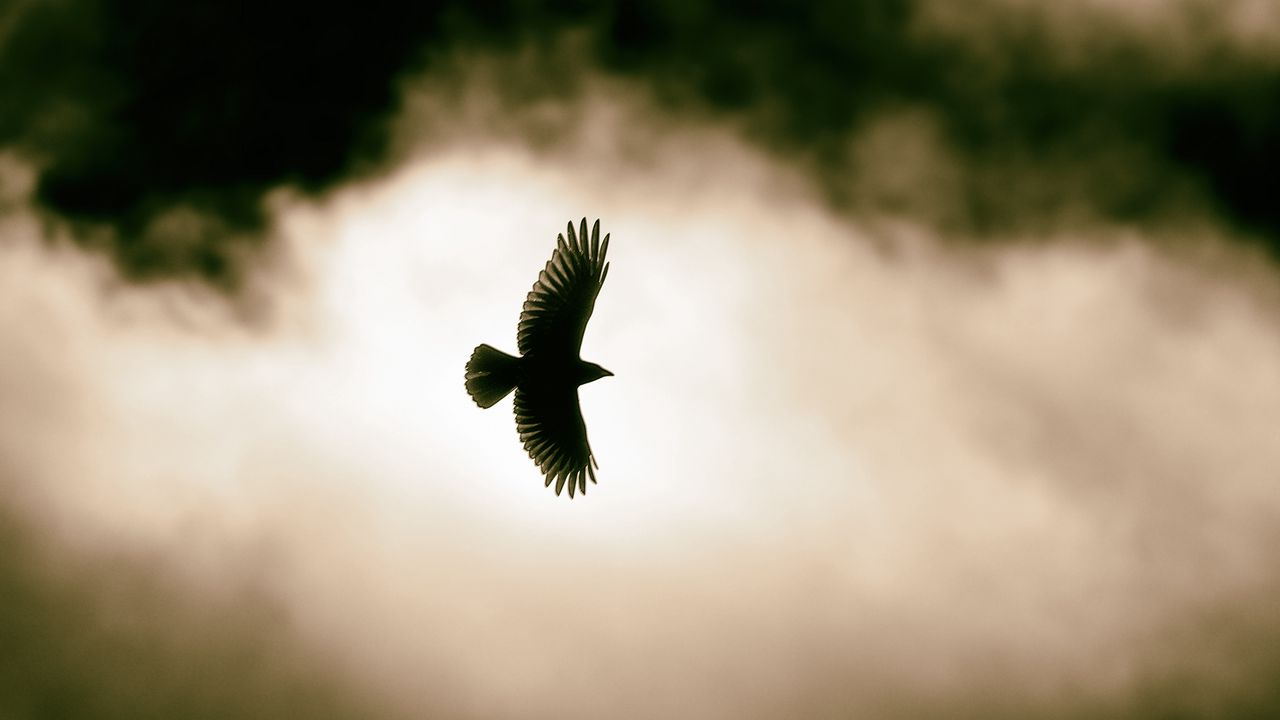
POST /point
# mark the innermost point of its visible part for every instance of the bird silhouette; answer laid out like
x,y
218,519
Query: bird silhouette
x,y
549,371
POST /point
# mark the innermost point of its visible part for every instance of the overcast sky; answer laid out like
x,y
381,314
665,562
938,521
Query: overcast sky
x,y
947,358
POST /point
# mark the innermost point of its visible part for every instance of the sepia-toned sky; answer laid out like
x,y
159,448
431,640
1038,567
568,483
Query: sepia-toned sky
x,y
946,343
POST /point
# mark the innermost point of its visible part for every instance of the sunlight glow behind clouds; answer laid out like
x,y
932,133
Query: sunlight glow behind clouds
x,y
833,476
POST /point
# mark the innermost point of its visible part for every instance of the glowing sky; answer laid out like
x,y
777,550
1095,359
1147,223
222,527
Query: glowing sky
x,y
850,465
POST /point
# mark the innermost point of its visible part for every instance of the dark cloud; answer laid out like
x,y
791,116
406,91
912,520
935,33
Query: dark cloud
x,y
136,110
1126,130
115,634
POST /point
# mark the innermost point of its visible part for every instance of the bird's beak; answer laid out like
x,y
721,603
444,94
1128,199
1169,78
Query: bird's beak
x,y
606,372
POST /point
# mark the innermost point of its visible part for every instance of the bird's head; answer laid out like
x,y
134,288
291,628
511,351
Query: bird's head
x,y
590,372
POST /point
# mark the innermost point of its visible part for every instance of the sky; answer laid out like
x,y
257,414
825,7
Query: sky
x,y
946,350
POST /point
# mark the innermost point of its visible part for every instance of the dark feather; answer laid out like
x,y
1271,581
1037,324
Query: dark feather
x,y
559,305
555,435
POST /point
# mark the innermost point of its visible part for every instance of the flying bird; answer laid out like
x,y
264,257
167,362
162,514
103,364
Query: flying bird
x,y
549,371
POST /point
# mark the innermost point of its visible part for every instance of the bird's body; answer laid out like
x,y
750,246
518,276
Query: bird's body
x,y
557,372
547,376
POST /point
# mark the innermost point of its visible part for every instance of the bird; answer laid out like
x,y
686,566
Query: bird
x,y
549,371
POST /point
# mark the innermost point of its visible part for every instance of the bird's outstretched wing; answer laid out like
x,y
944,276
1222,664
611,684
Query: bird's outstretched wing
x,y
556,312
550,424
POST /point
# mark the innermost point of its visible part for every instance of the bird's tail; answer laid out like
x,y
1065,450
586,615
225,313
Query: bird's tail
x,y
491,374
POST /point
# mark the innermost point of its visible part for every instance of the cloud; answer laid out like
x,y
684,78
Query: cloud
x,y
130,111
1041,112
111,634
846,468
